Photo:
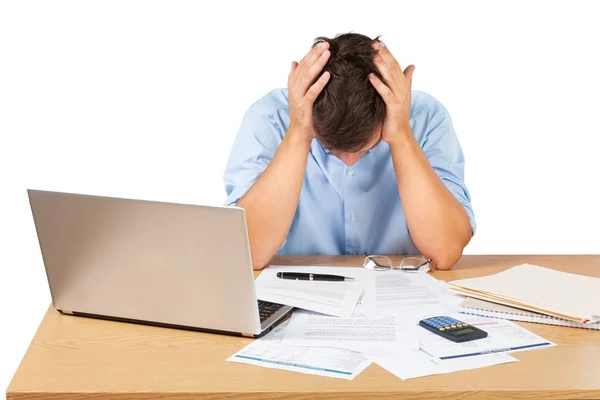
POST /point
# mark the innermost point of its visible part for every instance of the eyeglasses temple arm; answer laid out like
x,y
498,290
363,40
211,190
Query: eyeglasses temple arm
x,y
375,262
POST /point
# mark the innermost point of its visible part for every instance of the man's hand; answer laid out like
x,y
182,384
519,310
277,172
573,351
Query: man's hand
x,y
395,91
302,94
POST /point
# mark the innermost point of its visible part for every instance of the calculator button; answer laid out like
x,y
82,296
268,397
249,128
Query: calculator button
x,y
442,329
452,326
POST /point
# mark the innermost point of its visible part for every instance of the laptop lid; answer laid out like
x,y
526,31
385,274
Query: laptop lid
x,y
165,263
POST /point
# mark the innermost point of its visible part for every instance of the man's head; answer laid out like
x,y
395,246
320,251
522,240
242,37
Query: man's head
x,y
349,113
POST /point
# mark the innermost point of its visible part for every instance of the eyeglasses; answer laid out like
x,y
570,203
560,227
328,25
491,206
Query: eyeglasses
x,y
383,263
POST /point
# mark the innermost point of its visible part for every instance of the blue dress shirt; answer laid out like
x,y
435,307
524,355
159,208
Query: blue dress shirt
x,y
346,209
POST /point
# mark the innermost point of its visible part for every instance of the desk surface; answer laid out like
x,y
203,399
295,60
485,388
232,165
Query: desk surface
x,y
77,358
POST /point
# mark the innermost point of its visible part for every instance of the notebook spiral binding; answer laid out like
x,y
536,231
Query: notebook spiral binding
x,y
487,309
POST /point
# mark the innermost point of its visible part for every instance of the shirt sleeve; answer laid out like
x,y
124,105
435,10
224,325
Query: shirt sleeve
x,y
443,150
253,149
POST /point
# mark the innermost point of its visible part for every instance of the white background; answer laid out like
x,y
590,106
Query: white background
x,y
143,99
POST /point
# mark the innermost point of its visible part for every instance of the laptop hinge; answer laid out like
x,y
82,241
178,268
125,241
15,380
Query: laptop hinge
x,y
247,334
66,312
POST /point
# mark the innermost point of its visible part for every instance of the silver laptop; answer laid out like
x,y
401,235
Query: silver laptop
x,y
175,265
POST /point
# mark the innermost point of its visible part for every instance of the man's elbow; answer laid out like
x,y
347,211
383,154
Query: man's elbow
x,y
448,255
445,259
259,261
261,256
445,262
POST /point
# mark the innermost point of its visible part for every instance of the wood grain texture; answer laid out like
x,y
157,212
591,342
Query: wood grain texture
x,y
79,358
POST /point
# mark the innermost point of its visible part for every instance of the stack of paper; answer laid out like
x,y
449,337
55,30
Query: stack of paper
x,y
372,293
269,352
340,328
546,291
331,298
375,336
343,347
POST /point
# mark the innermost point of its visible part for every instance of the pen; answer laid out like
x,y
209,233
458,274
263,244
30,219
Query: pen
x,y
302,276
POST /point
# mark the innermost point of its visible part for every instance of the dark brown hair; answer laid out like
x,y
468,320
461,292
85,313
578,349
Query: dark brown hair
x,y
349,110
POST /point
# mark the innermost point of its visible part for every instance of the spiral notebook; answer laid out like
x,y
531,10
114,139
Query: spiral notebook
x,y
487,309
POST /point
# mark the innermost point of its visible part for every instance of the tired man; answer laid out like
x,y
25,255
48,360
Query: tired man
x,y
348,160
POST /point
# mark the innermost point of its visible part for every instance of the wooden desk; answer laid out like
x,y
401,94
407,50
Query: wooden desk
x,y
79,358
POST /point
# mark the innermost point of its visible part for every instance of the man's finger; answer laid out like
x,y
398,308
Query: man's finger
x,y
383,54
308,76
381,88
391,76
408,72
292,79
310,58
317,87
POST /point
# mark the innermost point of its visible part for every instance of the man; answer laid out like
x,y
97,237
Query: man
x,y
349,160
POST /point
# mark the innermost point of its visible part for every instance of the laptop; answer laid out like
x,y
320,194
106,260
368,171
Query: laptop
x,y
156,263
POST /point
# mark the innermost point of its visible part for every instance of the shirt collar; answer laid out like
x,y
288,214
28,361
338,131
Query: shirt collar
x,y
326,150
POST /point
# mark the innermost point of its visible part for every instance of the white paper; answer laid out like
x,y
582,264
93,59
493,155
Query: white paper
x,y
405,293
417,363
369,335
503,336
573,295
331,298
269,352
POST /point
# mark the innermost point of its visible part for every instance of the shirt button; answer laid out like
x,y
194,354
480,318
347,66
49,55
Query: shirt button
x,y
351,172
352,216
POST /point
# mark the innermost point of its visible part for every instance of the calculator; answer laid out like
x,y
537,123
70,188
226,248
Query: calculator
x,y
452,329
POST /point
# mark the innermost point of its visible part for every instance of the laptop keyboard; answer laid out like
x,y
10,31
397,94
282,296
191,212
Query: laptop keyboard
x,y
266,309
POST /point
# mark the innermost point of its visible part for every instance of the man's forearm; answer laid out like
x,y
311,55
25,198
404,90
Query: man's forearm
x,y
438,223
271,203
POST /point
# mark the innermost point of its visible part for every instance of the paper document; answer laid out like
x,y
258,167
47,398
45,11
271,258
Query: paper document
x,y
331,298
503,336
573,296
369,335
407,294
269,352
417,363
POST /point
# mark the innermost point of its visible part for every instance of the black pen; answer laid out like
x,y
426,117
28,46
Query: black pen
x,y
303,276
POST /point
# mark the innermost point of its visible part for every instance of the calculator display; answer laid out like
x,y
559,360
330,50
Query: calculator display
x,y
462,332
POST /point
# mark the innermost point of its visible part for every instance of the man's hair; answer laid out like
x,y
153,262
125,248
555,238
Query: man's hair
x,y
349,110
